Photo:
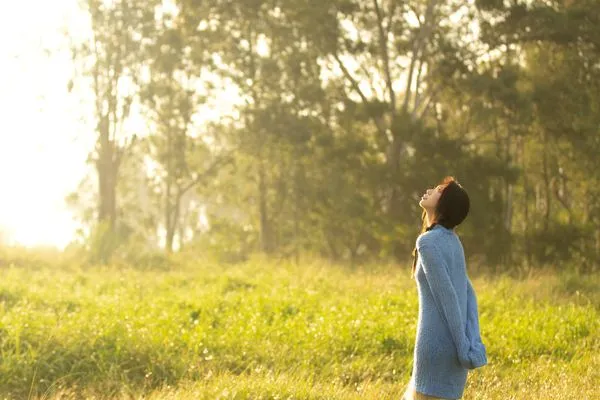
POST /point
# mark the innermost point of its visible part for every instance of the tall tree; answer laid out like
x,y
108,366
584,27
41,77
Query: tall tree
x,y
111,59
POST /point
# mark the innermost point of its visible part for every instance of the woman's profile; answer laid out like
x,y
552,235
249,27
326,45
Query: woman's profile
x,y
448,341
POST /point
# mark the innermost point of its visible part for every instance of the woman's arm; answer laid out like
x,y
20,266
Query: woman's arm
x,y
477,350
444,296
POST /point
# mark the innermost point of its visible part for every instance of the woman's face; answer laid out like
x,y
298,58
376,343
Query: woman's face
x,y
430,198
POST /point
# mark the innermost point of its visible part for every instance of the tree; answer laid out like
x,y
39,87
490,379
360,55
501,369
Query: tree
x,y
111,61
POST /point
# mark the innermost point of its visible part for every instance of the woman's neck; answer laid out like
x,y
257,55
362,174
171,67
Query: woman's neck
x,y
430,219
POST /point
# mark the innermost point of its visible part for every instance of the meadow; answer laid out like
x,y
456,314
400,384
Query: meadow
x,y
276,330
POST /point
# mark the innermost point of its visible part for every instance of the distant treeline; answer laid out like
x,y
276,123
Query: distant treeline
x,y
313,127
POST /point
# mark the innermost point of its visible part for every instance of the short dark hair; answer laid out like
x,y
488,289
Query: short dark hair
x,y
453,205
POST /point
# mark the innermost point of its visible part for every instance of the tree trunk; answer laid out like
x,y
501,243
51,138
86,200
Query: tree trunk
x,y
106,167
508,194
265,228
169,211
169,232
172,226
547,189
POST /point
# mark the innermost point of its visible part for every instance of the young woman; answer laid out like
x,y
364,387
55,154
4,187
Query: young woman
x,y
448,341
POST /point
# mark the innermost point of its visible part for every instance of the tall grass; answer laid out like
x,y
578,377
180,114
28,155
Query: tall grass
x,y
278,331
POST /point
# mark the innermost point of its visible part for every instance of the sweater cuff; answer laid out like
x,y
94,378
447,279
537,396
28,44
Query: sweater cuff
x,y
475,357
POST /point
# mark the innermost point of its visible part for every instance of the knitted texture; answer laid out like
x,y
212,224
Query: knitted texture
x,y
448,341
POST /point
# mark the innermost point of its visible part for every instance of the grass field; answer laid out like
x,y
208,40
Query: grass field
x,y
265,330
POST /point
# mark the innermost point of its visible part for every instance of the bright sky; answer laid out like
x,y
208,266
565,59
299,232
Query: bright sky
x,y
43,143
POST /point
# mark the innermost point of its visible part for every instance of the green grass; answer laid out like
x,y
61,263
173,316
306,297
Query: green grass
x,y
265,330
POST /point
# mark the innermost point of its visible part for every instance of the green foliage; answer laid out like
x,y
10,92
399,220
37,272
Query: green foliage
x,y
559,244
346,112
224,242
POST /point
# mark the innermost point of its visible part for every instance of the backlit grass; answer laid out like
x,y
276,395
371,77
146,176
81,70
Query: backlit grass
x,y
266,330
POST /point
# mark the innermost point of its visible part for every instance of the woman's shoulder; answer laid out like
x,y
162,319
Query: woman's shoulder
x,y
438,236
427,238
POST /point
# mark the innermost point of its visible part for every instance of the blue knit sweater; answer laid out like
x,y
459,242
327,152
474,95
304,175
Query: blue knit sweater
x,y
448,341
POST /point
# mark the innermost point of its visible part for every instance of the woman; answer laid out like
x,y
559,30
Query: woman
x,y
448,341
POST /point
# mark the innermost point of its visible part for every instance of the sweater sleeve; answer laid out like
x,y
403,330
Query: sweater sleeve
x,y
477,351
445,298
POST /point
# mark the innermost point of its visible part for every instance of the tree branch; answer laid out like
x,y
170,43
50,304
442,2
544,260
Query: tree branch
x,y
366,72
223,160
353,82
432,96
418,83
391,12
385,55
367,103
417,49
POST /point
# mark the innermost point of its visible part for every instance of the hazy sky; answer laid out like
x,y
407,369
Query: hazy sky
x,y
43,144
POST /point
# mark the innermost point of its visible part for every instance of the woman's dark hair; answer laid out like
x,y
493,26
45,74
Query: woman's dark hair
x,y
452,208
